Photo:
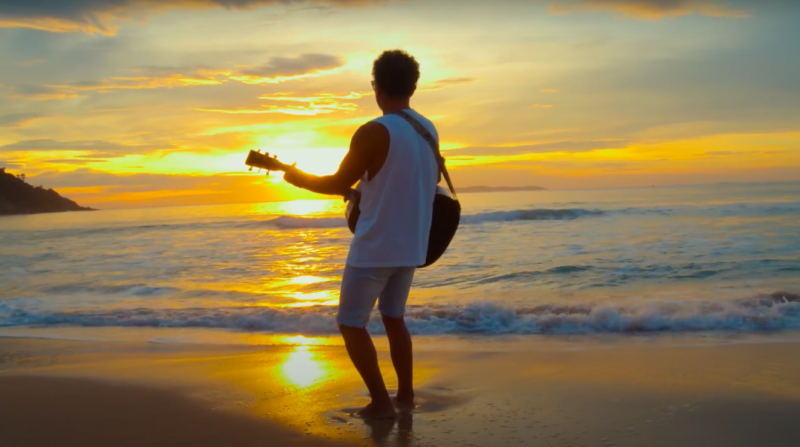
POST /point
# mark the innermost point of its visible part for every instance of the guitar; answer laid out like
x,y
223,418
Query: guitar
x,y
446,208
255,159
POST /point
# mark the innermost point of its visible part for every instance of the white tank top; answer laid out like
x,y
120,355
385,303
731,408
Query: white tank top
x,y
397,205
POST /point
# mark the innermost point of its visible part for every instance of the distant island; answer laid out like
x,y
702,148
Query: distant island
x,y
18,197
470,189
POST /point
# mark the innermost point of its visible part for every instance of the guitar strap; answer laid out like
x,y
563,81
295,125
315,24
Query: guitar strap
x,y
432,143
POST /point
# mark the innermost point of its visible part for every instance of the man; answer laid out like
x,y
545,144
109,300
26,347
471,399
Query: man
x,y
398,174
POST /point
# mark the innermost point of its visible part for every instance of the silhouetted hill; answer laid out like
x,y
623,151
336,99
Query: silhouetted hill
x,y
469,189
18,197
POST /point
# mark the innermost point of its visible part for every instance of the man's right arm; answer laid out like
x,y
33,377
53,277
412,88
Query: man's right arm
x,y
366,142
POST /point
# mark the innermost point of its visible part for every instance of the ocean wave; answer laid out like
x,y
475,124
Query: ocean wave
x,y
774,312
530,215
295,222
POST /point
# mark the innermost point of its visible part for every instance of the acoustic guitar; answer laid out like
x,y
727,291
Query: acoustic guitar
x,y
446,208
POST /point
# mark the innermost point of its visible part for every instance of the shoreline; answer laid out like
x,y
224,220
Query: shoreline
x,y
690,391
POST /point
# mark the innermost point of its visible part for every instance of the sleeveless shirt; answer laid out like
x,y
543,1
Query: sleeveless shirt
x,y
397,204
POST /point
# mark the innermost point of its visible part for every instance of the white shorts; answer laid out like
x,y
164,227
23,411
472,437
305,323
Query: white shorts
x,y
362,286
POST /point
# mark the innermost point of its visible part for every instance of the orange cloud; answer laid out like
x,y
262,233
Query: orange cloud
x,y
318,104
650,9
283,69
447,82
276,70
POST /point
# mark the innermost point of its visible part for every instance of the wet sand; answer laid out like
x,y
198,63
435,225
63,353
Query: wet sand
x,y
51,411
624,391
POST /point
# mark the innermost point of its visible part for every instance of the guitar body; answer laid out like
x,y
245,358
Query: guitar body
x,y
444,221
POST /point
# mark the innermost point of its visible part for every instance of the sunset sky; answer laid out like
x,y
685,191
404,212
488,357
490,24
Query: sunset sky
x,y
125,103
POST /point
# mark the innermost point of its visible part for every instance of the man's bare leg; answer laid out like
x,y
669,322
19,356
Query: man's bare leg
x,y
403,360
363,355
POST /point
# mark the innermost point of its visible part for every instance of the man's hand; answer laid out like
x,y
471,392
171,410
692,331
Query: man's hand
x,y
295,177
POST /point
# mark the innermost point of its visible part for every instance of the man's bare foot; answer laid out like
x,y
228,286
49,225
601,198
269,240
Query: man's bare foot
x,y
378,411
404,403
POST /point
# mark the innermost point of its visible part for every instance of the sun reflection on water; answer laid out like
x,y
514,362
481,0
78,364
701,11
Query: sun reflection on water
x,y
300,208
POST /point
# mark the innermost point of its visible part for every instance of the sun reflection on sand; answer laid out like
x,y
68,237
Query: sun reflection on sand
x,y
303,367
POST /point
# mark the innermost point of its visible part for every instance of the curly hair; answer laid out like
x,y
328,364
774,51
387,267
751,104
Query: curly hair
x,y
396,73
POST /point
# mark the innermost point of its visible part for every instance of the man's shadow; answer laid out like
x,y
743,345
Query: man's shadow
x,y
381,430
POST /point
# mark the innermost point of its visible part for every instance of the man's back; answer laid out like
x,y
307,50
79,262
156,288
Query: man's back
x,y
397,203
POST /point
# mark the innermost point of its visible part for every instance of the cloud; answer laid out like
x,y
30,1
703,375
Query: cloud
x,y
102,16
279,69
549,90
447,82
8,164
42,92
94,148
18,119
320,103
650,9
541,106
561,146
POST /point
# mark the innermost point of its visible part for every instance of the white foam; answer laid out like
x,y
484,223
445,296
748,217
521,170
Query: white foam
x,y
758,314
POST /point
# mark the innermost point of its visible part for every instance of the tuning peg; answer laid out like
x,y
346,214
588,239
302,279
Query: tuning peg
x,y
267,172
275,157
259,150
251,169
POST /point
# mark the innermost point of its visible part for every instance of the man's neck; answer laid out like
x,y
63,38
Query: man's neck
x,y
394,105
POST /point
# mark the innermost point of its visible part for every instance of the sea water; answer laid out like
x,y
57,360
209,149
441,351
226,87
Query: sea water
x,y
646,260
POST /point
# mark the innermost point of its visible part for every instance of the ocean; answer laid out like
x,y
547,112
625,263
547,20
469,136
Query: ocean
x,y
621,261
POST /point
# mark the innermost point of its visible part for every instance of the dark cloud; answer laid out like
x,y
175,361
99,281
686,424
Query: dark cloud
x,y
8,164
17,119
291,66
100,16
561,146
96,148
42,92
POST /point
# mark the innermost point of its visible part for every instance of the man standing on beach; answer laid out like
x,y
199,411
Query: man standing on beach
x,y
398,174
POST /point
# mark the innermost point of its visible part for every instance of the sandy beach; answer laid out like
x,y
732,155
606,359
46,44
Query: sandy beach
x,y
649,391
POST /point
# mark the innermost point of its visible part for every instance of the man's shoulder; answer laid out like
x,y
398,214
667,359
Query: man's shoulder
x,y
427,123
369,136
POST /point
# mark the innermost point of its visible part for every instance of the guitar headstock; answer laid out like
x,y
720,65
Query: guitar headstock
x,y
255,159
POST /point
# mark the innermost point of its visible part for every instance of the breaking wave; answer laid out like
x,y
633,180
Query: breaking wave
x,y
292,222
778,311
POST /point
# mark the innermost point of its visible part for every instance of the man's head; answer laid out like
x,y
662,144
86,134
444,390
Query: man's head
x,y
394,77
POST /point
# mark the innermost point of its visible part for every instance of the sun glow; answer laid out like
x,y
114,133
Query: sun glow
x,y
303,367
